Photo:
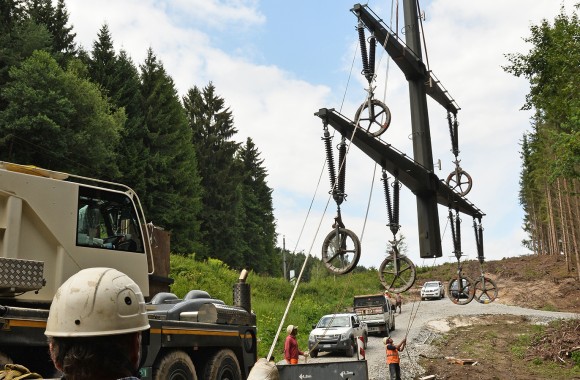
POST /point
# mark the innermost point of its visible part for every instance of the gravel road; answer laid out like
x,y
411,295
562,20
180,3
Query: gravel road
x,y
428,320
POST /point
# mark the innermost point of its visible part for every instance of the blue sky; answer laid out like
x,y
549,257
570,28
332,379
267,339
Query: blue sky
x,y
277,62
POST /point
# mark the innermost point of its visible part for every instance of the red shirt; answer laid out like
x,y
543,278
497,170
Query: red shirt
x,y
291,350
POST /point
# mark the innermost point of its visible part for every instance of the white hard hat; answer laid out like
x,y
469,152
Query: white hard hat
x,y
97,302
291,328
387,340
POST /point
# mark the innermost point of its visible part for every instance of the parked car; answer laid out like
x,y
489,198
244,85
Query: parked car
x,y
454,291
337,333
432,289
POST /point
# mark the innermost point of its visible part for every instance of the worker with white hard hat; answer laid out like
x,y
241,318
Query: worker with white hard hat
x,y
393,356
291,350
95,326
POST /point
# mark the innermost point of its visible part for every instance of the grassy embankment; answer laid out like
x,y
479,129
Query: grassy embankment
x,y
322,295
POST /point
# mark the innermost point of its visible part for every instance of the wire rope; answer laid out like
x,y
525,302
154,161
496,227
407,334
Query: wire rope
x,y
298,279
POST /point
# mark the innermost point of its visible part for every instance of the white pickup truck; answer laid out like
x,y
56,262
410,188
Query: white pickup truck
x,y
376,312
337,332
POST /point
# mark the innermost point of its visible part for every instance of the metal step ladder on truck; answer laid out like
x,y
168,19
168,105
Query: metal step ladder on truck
x,y
53,224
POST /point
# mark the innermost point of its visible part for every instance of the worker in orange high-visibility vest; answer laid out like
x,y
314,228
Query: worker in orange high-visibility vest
x,y
393,356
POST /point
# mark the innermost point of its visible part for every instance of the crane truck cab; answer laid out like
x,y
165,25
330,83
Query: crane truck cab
x,y
54,224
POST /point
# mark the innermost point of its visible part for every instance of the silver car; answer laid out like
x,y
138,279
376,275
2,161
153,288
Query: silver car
x,y
432,289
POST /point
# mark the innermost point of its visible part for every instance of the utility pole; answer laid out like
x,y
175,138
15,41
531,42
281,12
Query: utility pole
x,y
427,212
284,256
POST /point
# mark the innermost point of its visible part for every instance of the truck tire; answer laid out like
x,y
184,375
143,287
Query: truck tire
x,y
174,365
351,349
223,366
314,353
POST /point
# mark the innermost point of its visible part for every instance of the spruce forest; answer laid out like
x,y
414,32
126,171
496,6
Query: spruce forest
x,y
92,111
550,152
98,114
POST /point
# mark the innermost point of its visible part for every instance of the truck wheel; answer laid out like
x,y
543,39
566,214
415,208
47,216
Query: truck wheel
x,y
350,350
223,366
174,365
314,353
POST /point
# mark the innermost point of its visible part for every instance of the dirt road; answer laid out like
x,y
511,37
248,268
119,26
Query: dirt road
x,y
422,322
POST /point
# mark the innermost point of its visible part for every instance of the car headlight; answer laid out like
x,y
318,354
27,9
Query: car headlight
x,y
311,338
344,336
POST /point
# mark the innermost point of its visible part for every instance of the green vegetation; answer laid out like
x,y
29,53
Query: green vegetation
x,y
550,153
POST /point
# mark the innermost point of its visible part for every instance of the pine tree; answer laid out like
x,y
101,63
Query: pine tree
x,y
213,128
259,225
119,78
173,194
55,20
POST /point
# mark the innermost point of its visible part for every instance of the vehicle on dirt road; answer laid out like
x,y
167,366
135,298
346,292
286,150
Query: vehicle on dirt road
x,y
454,290
54,224
376,311
432,289
337,333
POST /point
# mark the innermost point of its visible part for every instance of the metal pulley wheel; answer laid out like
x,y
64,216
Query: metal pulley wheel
x,y
374,117
341,251
397,275
485,290
460,181
461,292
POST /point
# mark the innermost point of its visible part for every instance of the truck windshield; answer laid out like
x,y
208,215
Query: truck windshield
x,y
107,220
369,301
334,321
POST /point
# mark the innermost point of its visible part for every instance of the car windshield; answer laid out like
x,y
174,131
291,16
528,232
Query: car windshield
x,y
431,285
455,283
334,321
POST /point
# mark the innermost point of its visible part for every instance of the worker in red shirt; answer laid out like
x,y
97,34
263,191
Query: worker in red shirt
x,y
291,350
393,357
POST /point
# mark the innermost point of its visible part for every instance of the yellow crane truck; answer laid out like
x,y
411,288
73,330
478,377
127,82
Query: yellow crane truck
x,y
53,224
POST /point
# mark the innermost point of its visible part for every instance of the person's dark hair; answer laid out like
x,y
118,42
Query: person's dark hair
x,y
100,357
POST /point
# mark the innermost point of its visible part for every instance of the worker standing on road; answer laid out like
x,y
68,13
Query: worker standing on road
x,y
398,302
95,326
393,356
291,350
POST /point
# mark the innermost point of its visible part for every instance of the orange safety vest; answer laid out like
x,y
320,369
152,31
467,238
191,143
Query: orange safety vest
x,y
392,356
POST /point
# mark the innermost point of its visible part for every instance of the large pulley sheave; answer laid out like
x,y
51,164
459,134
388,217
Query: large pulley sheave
x,y
460,288
458,180
397,272
341,247
373,116
485,287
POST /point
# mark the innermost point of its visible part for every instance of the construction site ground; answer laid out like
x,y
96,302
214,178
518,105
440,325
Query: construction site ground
x,y
508,346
